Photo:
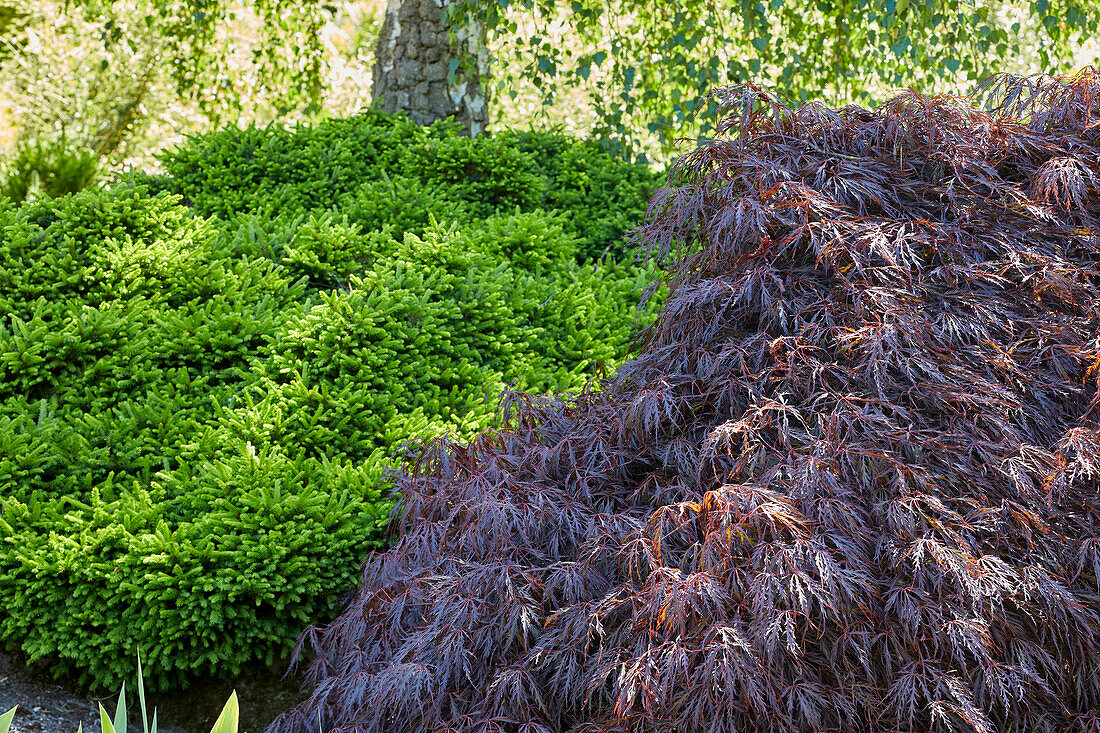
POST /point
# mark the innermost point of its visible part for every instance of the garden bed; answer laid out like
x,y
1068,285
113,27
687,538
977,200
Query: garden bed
x,y
46,706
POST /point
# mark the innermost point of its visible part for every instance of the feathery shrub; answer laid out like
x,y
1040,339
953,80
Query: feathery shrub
x,y
848,483
277,170
380,170
604,198
128,331
196,415
47,167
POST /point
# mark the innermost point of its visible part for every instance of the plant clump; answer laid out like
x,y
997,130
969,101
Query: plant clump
x,y
849,483
198,404
380,170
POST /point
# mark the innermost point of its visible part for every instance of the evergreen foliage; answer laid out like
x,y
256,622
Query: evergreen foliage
x,y
128,332
52,168
848,483
197,412
600,193
283,170
383,170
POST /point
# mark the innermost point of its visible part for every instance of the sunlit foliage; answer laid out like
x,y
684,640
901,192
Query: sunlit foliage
x,y
645,67
196,413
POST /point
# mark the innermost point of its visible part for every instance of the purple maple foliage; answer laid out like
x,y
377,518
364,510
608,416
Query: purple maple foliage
x,y
850,482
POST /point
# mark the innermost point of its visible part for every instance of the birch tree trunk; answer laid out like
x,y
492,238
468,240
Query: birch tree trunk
x,y
413,59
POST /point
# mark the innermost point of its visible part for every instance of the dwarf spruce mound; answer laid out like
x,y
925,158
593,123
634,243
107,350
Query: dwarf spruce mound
x,y
204,377
380,170
849,483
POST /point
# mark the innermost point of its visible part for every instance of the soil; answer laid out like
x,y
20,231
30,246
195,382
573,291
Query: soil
x,y
49,706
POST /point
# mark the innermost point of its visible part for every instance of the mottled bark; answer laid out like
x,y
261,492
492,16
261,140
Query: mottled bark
x,y
413,60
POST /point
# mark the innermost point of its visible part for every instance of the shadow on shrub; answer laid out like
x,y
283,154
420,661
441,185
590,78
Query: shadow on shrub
x,y
381,170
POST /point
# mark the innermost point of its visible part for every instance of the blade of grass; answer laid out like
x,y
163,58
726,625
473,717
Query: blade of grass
x,y
227,721
105,724
5,720
141,698
120,711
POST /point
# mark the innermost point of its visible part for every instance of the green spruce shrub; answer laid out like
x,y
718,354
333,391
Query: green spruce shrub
x,y
129,333
48,168
382,170
424,342
328,250
602,196
405,204
277,170
199,404
486,172
574,316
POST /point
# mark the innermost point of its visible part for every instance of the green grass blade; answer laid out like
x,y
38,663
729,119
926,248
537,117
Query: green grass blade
x,y
231,713
5,720
154,728
141,698
105,724
120,711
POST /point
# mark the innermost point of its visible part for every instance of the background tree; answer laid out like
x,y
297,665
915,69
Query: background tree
x,y
417,60
125,79
646,67
638,70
